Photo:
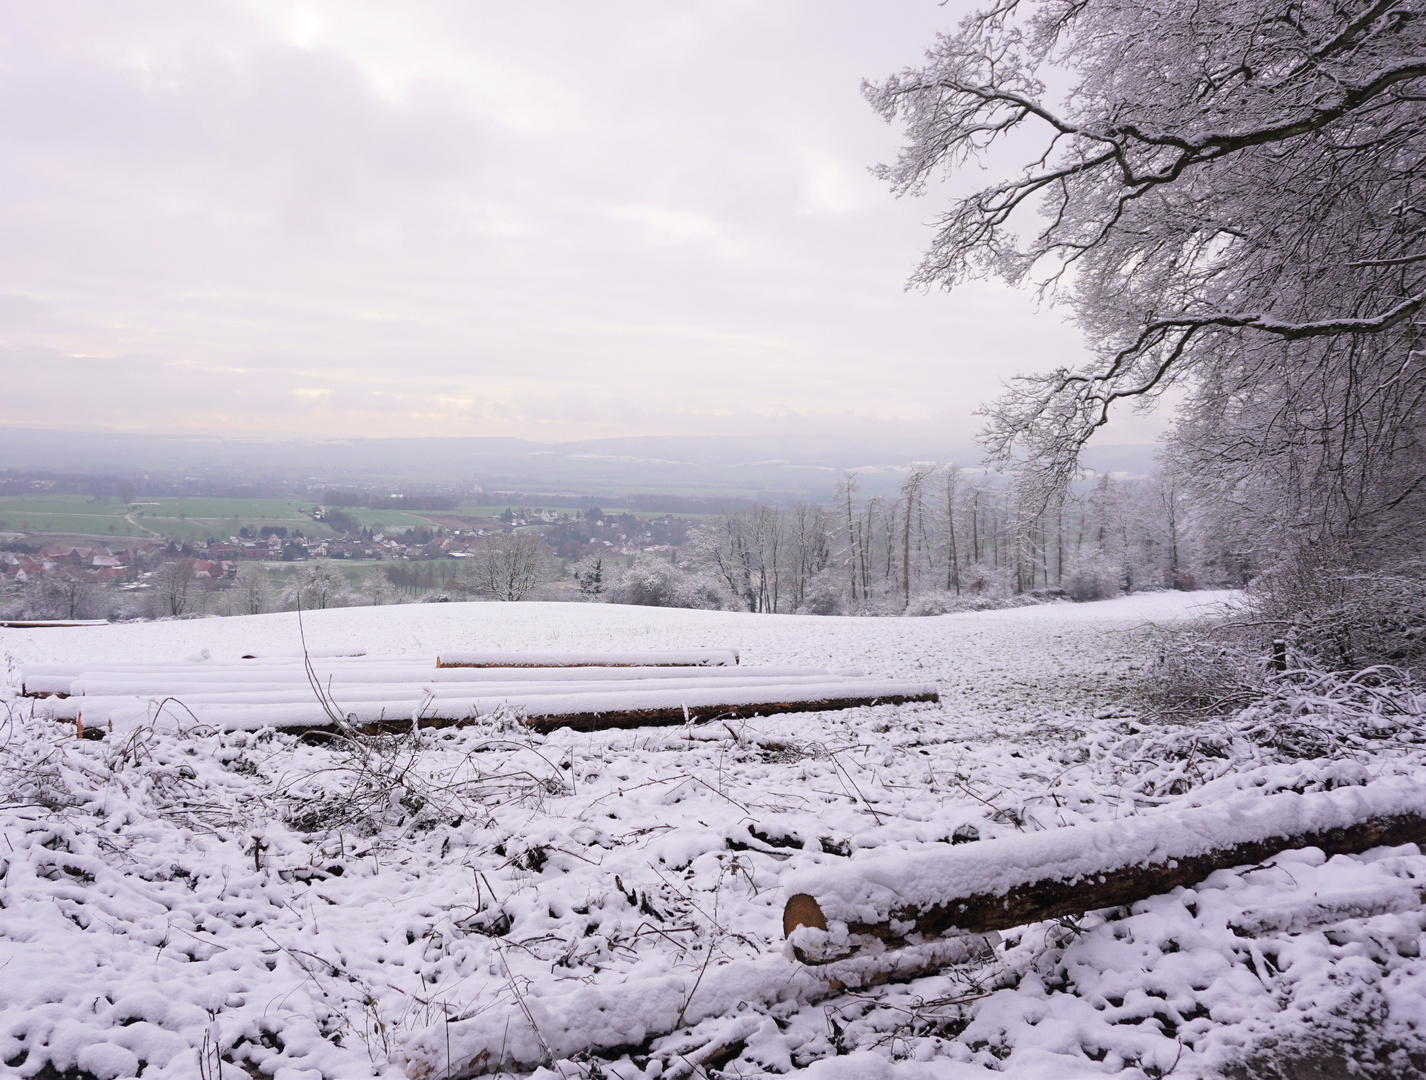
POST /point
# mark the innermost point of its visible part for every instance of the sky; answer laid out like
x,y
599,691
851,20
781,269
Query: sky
x,y
552,220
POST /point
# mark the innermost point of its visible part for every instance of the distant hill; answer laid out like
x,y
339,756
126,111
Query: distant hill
x,y
698,467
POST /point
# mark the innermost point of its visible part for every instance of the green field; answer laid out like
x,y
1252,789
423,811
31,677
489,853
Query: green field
x,y
175,518
201,518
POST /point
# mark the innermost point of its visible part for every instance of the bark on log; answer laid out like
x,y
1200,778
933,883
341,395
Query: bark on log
x,y
1396,817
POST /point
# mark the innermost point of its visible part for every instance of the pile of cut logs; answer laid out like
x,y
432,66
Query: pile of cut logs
x,y
586,691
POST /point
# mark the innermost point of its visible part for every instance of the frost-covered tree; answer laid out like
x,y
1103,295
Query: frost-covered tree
x,y
316,585
250,593
377,589
64,594
1231,196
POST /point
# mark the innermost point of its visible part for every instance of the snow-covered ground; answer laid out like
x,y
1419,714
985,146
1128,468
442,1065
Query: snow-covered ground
x,y
199,905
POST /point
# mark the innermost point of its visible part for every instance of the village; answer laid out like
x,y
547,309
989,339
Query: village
x,y
26,561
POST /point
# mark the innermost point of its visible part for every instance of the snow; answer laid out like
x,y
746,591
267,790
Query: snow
x,y
236,904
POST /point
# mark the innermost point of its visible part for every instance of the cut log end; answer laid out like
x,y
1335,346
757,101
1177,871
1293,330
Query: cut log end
x,y
802,910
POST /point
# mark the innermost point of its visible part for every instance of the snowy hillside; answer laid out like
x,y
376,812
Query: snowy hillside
x,y
201,905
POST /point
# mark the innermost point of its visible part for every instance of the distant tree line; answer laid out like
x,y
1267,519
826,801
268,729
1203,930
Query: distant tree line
x,y
950,539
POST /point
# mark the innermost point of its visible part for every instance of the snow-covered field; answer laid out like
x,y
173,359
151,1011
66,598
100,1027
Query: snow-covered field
x,y
199,905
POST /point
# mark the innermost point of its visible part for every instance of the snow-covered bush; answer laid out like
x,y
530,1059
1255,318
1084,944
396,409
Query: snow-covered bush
x,y
1091,576
946,603
653,582
824,595
876,606
1309,617
1344,619
933,603
982,579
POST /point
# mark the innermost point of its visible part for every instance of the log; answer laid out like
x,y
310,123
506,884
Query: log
x,y
1012,881
669,658
673,715
41,624
614,1016
590,707
193,679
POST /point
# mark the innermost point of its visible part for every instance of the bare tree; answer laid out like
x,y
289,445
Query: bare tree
x,y
953,560
507,566
916,478
176,589
809,534
846,495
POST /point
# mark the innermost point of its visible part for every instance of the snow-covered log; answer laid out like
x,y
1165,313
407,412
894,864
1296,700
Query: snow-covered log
x,y
1011,881
39,624
46,679
231,679
96,699
671,658
590,707
519,1035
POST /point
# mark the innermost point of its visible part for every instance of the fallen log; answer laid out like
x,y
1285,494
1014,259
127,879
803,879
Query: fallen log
x,y
998,884
593,707
668,658
671,715
518,1036
42,624
45,679
404,681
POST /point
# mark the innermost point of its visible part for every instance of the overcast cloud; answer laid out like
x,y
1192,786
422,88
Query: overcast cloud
x,y
544,219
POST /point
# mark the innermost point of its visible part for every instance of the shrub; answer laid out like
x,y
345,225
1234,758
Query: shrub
x,y
1091,576
823,596
1341,618
655,583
